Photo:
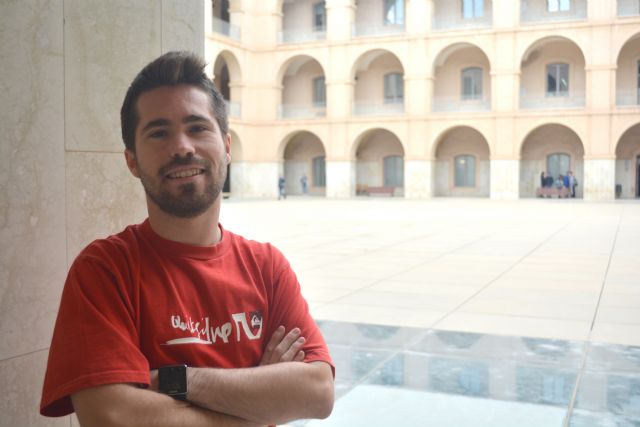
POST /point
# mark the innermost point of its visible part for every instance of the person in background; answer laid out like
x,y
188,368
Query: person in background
x,y
282,194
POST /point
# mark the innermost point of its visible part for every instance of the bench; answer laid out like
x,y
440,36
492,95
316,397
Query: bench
x,y
552,192
380,191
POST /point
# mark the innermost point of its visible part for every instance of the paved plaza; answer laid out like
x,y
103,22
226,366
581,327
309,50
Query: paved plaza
x,y
561,269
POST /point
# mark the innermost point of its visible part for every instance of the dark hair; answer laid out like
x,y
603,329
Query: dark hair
x,y
171,69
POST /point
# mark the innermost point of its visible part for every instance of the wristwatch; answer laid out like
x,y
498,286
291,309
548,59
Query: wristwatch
x,y
172,381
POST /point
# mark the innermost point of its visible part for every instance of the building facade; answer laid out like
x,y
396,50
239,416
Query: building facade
x,y
427,98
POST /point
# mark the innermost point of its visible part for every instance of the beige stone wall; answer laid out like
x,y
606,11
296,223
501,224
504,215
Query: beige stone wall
x,y
600,47
64,182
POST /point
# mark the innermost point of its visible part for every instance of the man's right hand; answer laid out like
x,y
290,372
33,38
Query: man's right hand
x,y
284,348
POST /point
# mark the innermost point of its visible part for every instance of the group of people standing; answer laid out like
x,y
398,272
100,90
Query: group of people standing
x,y
567,181
282,194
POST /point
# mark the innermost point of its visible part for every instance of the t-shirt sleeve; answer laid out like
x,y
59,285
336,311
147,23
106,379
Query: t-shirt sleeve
x,y
95,340
289,308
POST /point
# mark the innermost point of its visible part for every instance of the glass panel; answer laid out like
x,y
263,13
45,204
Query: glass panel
x,y
319,172
558,164
552,5
472,83
472,9
557,79
393,88
465,171
565,5
393,171
394,12
319,16
319,91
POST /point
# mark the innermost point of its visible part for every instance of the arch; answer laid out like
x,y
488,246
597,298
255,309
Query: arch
x,y
624,40
365,59
449,50
462,165
290,136
292,65
542,141
627,170
442,135
303,155
232,64
234,182
538,126
529,53
553,74
627,64
379,158
367,133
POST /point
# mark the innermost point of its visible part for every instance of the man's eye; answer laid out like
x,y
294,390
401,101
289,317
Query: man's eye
x,y
158,134
197,128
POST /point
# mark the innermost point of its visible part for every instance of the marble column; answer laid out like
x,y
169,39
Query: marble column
x,y
599,179
417,179
505,178
65,69
341,178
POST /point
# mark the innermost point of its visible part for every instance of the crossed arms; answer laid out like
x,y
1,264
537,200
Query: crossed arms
x,y
281,389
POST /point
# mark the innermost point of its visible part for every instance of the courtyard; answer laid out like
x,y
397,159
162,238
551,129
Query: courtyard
x,y
467,311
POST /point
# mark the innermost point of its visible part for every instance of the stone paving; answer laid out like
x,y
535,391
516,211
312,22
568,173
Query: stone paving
x,y
561,269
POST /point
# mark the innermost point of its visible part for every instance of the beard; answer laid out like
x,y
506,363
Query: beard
x,y
188,202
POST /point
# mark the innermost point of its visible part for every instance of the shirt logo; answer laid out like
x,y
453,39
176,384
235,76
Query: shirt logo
x,y
204,331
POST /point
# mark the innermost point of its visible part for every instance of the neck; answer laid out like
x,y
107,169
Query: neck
x,y
202,230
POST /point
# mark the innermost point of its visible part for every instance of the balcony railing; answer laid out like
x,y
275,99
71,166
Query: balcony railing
x,y
451,104
536,12
628,8
302,111
301,36
225,28
377,108
370,29
628,98
445,22
549,102
233,109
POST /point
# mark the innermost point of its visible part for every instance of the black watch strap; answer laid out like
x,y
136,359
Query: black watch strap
x,y
172,381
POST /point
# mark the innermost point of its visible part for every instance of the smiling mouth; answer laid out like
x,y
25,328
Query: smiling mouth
x,y
185,173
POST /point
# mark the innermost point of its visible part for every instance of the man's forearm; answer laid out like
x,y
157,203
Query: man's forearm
x,y
271,394
127,405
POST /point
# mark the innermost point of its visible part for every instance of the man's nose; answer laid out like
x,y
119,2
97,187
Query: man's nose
x,y
182,146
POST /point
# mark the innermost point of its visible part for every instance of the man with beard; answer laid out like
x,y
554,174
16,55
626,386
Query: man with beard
x,y
177,321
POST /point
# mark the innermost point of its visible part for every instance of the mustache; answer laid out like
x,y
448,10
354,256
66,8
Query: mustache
x,y
184,161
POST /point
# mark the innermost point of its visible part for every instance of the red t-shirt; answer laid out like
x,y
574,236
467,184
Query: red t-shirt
x,y
135,301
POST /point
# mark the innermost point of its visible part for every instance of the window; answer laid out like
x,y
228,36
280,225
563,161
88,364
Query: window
x,y
472,83
393,171
472,9
393,12
319,17
393,88
558,5
557,79
319,172
558,164
319,92
465,170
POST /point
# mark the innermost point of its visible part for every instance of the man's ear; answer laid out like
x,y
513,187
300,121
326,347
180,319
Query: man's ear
x,y
130,157
227,147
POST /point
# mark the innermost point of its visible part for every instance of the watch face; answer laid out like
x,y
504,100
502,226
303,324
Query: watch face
x,y
173,379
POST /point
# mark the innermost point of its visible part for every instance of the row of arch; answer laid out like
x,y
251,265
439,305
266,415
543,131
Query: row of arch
x,y
461,160
365,57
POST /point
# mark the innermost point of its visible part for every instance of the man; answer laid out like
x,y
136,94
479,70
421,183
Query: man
x,y
180,290
282,194
572,182
303,182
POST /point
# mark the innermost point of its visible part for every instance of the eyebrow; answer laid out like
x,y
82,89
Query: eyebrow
x,y
164,122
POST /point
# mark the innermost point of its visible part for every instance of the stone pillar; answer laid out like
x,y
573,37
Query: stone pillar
x,y
341,178
417,179
340,19
599,179
260,179
505,178
65,69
